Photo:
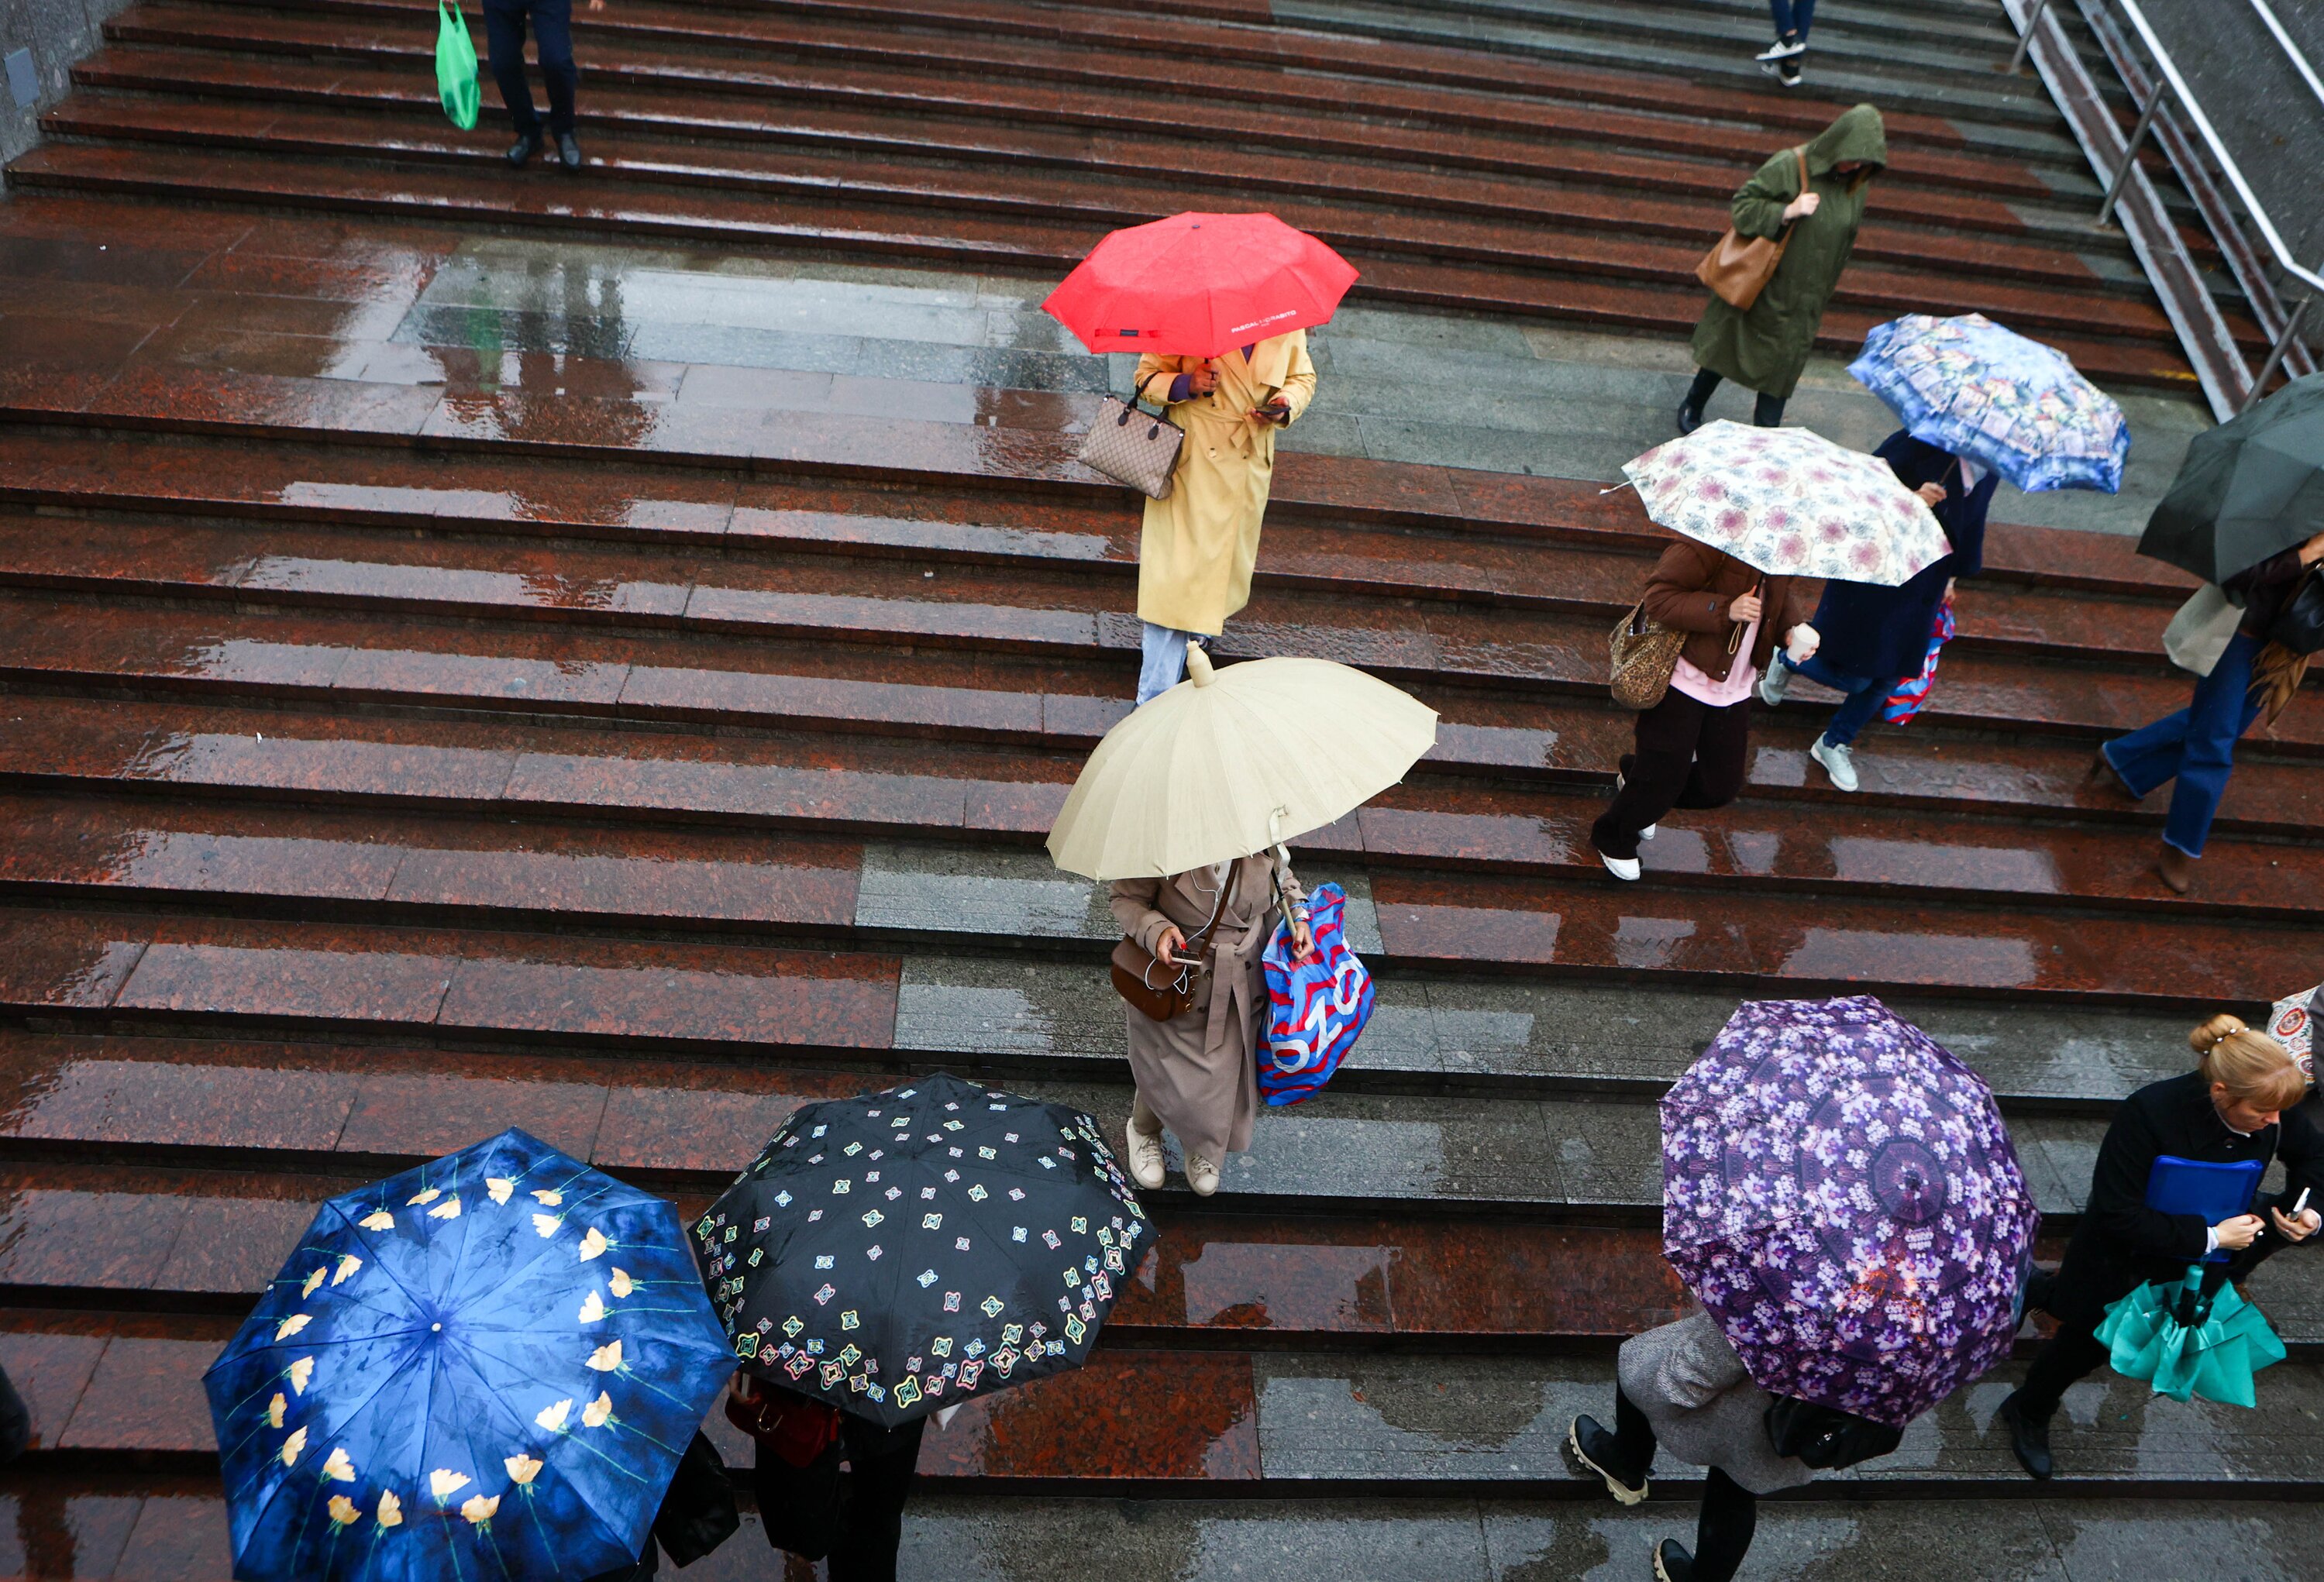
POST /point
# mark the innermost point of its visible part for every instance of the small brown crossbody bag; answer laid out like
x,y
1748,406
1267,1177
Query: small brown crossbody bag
x,y
1166,989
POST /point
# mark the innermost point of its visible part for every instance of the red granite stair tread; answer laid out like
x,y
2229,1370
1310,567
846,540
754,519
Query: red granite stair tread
x,y
709,215
345,975
1400,60
139,850
940,515
1106,202
166,1235
672,111
823,594
703,876
1107,1421
1539,652
863,784
644,36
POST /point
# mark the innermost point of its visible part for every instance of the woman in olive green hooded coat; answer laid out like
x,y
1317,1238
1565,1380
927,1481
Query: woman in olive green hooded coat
x,y
1766,348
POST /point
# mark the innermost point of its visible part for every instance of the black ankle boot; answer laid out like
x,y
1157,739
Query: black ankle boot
x,y
1592,1444
2029,1437
1690,417
1672,1563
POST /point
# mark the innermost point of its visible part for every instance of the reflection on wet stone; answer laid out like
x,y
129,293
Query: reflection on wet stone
x,y
1000,891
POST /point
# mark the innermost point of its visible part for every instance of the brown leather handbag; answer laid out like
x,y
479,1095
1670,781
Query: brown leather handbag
x,y
1644,653
1736,268
1163,989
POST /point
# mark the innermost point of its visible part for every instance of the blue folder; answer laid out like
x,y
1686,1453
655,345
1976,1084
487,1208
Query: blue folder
x,y
2199,1187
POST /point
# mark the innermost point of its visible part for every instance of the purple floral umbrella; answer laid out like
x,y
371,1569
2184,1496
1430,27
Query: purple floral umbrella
x,y
1839,1191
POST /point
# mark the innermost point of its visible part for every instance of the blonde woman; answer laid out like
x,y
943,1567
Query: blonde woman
x,y
2236,1105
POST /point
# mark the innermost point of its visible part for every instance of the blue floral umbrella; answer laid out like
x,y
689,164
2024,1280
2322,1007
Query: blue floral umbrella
x,y
1967,386
484,1368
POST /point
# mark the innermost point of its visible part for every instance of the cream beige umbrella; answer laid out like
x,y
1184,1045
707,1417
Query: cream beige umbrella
x,y
1231,761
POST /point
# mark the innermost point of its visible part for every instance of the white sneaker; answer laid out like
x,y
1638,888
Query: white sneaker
x,y
1145,1153
1622,868
1775,681
1201,1176
1648,832
1783,50
1837,761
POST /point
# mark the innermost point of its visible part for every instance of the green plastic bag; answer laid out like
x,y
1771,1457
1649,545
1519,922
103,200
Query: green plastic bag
x,y
455,66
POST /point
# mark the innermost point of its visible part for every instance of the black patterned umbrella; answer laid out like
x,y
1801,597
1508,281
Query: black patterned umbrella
x,y
894,1253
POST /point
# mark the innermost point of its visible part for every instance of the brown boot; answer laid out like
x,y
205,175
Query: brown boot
x,y
2176,868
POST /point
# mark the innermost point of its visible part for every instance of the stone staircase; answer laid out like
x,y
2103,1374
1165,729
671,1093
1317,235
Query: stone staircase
x,y
600,654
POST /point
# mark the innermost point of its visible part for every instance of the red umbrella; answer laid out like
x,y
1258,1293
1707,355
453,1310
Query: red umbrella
x,y
1199,285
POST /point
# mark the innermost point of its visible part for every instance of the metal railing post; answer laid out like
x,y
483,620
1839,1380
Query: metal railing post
x,y
2130,154
2275,353
2026,39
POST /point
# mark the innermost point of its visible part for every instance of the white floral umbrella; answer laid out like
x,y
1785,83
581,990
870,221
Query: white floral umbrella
x,y
1790,503
2292,1022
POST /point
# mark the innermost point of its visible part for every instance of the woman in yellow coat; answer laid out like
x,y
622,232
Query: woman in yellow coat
x,y
1197,547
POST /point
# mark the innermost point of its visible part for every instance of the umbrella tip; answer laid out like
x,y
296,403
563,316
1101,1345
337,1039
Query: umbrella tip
x,y
1198,666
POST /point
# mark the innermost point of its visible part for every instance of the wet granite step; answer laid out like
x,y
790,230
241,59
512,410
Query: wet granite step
x,y
674,39
593,202
1549,241
1437,256
370,865
554,617
1196,176
679,1106
93,1236
158,1527
99,965
1346,504
859,783
1315,1424
1312,569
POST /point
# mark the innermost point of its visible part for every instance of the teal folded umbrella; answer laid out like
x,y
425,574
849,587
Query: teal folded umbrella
x,y
2188,1344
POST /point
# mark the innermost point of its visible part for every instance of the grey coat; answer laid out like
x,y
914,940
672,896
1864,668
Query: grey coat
x,y
1693,1387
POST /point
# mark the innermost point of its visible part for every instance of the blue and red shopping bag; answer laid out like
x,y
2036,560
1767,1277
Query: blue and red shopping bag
x,y
1912,694
1316,1007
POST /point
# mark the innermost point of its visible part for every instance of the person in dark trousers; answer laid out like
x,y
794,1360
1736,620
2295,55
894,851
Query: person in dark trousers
x,y
806,1504
697,1515
1783,59
552,35
1874,638
2255,676
1766,347
1681,1388
2236,1105
1690,745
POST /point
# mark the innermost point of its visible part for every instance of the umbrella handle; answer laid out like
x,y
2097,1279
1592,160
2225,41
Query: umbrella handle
x,y
1735,629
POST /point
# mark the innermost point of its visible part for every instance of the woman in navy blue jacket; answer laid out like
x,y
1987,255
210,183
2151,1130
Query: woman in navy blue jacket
x,y
1876,638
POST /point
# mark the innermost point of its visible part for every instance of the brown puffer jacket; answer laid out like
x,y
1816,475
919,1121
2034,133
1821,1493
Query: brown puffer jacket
x,y
1692,588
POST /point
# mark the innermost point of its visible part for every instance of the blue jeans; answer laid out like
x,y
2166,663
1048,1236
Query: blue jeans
x,y
2196,747
1791,16
552,32
1162,660
1866,694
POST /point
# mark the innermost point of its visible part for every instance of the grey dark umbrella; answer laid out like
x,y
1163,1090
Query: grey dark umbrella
x,y
2249,487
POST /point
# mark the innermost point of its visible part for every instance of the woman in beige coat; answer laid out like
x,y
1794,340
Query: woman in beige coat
x,y
1197,547
1197,1073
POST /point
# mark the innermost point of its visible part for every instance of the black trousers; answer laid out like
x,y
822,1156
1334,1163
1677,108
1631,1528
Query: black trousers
x,y
856,1518
1730,1512
1689,755
552,32
1766,412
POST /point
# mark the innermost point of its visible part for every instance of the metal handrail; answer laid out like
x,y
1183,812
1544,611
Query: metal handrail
x,y
2175,84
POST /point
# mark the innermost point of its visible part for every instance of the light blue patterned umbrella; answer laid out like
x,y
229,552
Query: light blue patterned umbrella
x,y
1967,386
481,1370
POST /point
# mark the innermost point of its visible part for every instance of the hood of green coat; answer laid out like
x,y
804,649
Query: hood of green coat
x,y
1858,135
